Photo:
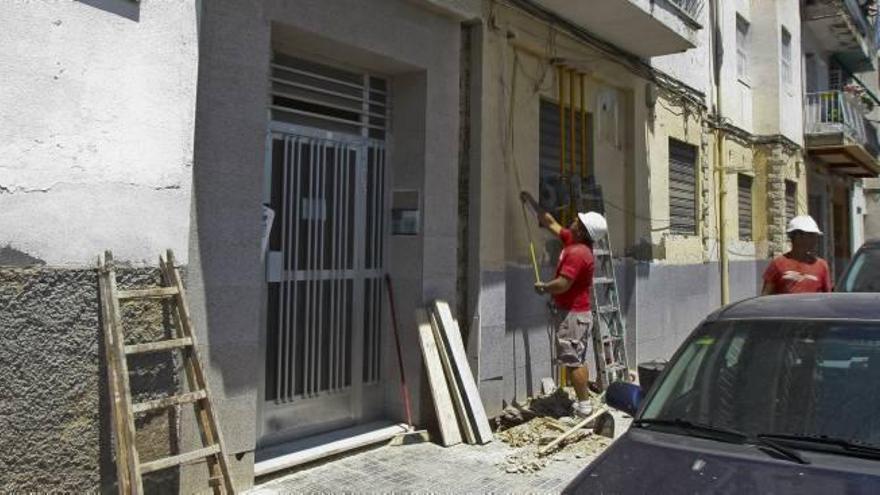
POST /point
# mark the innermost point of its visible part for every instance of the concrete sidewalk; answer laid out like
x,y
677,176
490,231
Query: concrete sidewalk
x,y
430,468
426,468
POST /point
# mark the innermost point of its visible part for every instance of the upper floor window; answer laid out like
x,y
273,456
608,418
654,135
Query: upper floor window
x,y
786,57
743,41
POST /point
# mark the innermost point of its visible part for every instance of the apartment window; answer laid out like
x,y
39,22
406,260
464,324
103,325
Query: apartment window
x,y
786,57
744,200
835,76
682,188
743,41
790,200
554,193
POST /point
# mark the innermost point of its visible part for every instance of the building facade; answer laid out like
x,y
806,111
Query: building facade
x,y
294,153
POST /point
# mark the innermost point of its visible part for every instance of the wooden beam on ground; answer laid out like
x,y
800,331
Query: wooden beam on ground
x,y
449,432
451,338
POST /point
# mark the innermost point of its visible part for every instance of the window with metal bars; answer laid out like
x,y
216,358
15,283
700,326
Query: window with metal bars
x,y
554,194
744,201
790,200
316,95
682,188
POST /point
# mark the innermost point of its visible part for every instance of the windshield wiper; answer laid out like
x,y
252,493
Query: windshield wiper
x,y
733,436
841,443
713,432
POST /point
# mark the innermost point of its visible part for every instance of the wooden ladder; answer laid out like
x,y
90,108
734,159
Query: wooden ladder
x,y
130,469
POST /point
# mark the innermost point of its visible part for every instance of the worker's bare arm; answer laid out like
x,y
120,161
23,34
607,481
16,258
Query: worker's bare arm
x,y
544,217
556,286
767,290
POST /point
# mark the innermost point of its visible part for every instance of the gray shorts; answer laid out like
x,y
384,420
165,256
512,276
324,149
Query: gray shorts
x,y
574,337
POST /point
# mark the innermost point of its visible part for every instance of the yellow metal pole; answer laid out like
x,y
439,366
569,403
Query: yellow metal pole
x,y
583,130
573,154
560,76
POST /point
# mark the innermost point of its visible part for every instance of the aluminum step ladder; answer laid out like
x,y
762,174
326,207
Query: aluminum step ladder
x,y
609,327
130,469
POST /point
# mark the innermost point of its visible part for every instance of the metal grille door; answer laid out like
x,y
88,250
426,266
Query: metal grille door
x,y
324,267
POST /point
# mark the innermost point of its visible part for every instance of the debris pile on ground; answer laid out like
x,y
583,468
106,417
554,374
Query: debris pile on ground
x,y
530,427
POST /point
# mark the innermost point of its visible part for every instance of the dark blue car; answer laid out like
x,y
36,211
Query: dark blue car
x,y
777,394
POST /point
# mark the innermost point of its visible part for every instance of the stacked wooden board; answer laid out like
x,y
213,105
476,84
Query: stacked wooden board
x,y
457,403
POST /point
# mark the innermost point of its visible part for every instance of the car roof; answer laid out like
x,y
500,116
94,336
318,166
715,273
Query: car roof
x,y
871,244
825,306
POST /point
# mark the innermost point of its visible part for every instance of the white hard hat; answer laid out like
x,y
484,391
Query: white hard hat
x,y
595,223
804,223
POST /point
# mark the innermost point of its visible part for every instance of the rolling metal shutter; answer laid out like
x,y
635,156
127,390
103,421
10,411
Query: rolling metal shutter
x,y
790,200
744,199
682,188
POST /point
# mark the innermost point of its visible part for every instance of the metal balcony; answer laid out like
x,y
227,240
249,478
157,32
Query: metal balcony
x,y
838,134
843,29
646,28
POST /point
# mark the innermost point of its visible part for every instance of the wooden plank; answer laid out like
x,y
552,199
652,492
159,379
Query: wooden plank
x,y
123,483
552,445
449,432
168,401
205,414
177,460
151,293
470,394
458,399
137,486
161,345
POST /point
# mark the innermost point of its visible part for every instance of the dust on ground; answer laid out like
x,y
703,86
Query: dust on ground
x,y
528,428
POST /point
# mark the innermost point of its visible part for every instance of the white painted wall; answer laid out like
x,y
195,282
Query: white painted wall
x,y
778,106
96,128
692,67
736,92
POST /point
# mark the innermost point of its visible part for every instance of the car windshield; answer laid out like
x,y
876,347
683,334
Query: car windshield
x,y
764,377
864,272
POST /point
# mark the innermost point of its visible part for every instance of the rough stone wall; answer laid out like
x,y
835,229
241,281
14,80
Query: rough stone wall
x,y
776,162
54,410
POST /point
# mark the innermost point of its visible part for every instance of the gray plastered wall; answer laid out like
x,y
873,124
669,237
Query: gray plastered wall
x,y
417,50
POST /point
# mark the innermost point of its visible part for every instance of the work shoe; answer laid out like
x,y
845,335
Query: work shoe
x,y
582,409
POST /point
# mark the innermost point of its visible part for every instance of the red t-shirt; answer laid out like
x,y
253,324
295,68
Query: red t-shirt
x,y
576,264
790,276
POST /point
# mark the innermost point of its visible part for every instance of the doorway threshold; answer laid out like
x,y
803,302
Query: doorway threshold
x,y
306,450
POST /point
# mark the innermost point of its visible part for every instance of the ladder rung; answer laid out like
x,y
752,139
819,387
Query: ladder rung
x,y
169,401
177,460
601,252
607,309
161,345
151,293
603,280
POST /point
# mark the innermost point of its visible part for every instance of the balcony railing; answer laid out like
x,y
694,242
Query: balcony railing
x,y
830,112
693,8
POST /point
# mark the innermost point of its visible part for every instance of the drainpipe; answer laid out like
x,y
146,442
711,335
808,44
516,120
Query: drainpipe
x,y
720,166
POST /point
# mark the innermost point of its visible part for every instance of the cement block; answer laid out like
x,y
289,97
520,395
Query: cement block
x,y
492,395
492,298
441,255
232,369
194,477
496,357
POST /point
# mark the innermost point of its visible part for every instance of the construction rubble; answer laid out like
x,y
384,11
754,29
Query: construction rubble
x,y
529,428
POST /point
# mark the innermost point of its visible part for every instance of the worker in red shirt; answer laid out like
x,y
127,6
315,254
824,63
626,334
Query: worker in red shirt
x,y
570,289
798,270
